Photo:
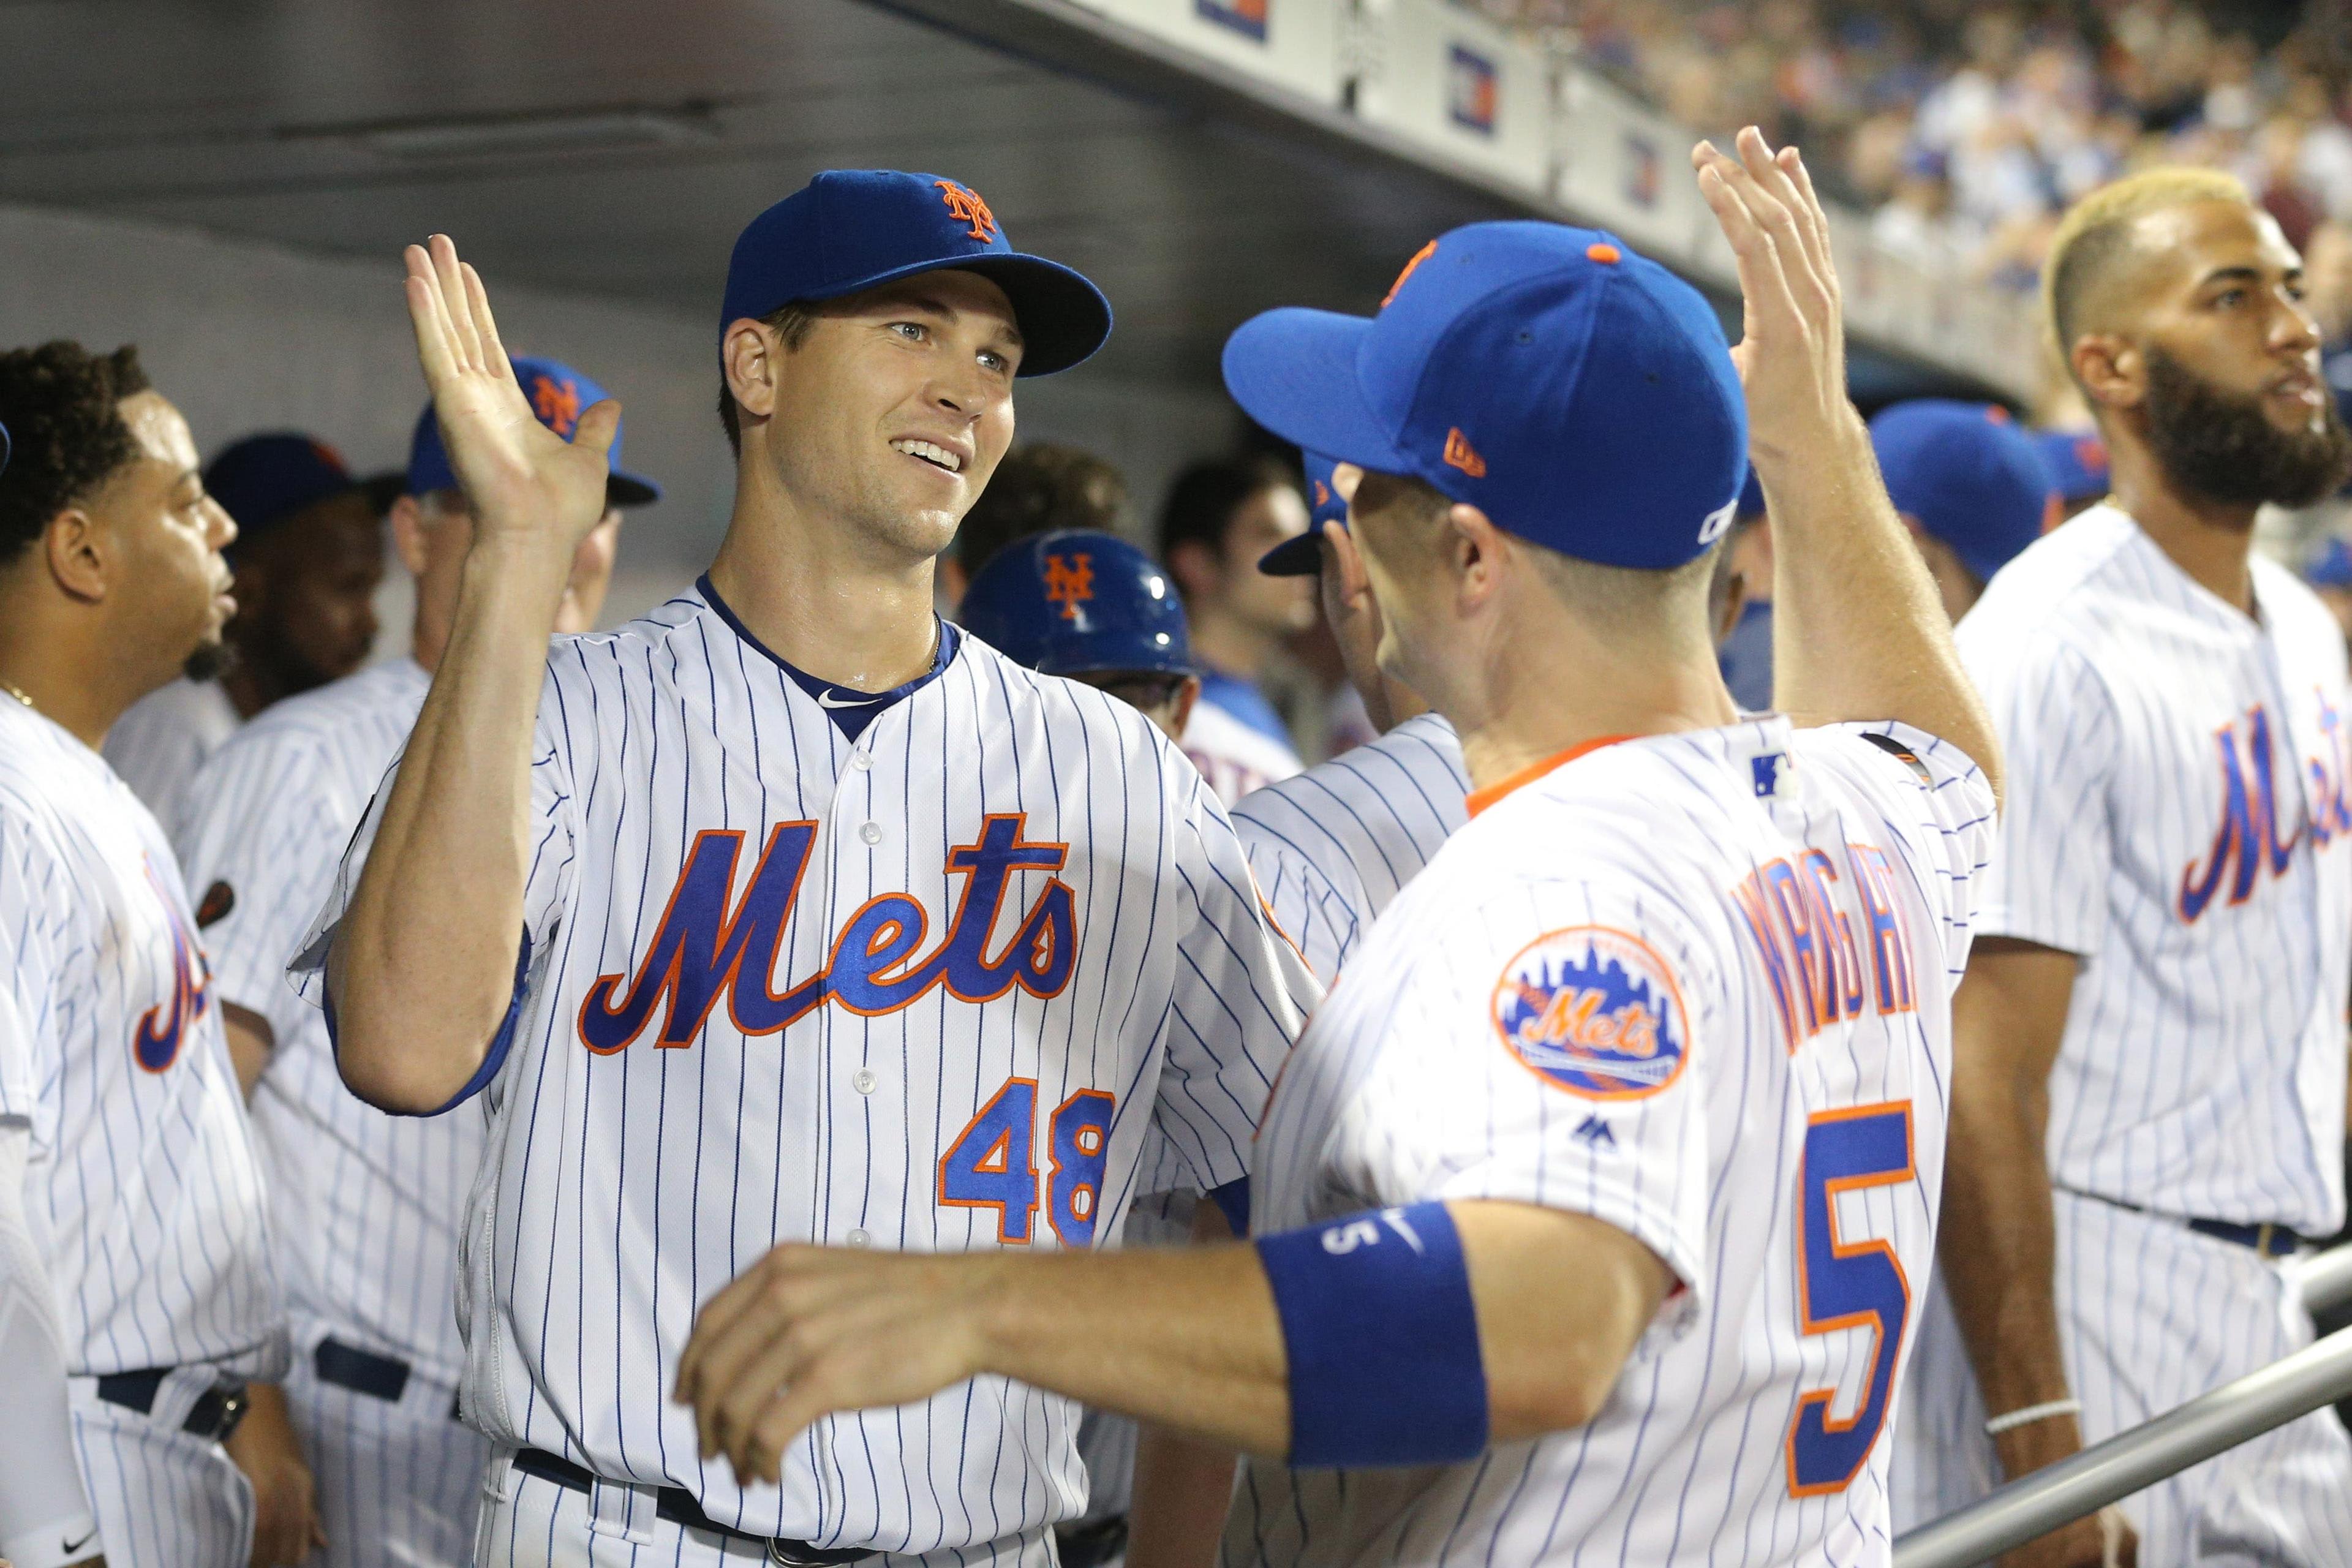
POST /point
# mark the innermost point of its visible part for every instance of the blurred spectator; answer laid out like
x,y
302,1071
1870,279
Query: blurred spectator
x,y
1965,128
1219,519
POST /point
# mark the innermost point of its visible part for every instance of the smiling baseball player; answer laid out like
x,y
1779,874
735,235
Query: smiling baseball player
x,y
788,913
1591,1205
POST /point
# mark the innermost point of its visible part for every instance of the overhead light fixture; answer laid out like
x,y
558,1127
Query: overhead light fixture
x,y
569,130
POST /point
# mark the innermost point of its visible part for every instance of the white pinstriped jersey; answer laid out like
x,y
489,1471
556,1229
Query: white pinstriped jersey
x,y
143,1193
1697,986
2178,795
1233,758
928,991
1332,847
163,738
367,1205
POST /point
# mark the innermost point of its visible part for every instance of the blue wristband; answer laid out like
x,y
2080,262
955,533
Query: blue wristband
x,y
1382,1338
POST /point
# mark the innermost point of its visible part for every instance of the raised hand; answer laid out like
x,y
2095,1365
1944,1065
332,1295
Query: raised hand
x,y
526,484
1791,352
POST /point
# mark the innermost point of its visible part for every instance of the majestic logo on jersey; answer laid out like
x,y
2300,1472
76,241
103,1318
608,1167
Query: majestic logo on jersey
x,y
164,1027
964,203
1069,585
1811,957
2248,838
705,946
1595,1011
557,403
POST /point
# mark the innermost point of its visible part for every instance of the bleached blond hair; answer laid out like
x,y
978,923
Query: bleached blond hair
x,y
2093,236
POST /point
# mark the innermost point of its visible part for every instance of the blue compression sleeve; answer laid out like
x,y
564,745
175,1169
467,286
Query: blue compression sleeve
x,y
1382,1338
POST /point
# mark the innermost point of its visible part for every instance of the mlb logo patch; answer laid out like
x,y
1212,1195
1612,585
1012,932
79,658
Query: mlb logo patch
x,y
1595,1011
1766,770
1471,91
1247,17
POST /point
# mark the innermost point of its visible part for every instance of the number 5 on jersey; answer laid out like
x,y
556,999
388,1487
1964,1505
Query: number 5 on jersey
x,y
1847,1285
991,1163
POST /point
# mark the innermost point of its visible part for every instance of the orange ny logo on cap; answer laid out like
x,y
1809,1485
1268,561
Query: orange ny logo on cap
x,y
1460,454
1322,495
1068,585
1424,254
965,204
557,403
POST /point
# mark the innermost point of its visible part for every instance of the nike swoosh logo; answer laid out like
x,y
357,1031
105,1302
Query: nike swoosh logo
x,y
825,700
73,1546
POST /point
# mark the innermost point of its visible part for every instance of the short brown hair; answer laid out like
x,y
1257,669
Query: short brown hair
x,y
791,323
2092,237
1039,488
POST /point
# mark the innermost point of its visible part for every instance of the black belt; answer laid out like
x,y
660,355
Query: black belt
x,y
2270,1239
214,1415
365,1372
676,1505
1089,1545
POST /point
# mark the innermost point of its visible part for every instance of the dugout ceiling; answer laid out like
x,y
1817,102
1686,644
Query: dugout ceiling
x,y
615,147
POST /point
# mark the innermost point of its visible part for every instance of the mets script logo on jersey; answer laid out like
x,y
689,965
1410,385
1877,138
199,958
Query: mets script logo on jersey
x,y
1069,581
1593,1010
2248,840
704,946
965,206
164,1027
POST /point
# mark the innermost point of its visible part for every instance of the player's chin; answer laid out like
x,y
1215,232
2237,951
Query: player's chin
x,y
210,658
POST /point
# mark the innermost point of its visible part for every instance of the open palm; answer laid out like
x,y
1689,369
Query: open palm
x,y
525,483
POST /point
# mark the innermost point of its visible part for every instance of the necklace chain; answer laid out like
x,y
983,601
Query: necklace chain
x,y
12,689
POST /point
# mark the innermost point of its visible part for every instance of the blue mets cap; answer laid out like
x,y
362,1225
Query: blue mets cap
x,y
263,481
850,229
1076,600
2078,463
1301,557
1968,476
2330,565
1580,396
559,394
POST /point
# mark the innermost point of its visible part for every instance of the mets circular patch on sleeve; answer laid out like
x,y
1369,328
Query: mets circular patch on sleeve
x,y
1595,1011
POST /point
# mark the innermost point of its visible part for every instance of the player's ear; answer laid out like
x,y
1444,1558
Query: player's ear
x,y
79,552
1348,561
1194,567
407,534
750,352
1180,711
2112,370
1473,548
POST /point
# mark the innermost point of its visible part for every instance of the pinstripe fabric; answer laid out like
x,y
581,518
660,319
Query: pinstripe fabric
x,y
143,1190
1331,848
163,738
366,1206
2203,1069
163,1499
625,1184
1404,1089
2133,1351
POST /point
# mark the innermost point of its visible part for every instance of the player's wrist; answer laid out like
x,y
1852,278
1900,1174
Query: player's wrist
x,y
2024,1449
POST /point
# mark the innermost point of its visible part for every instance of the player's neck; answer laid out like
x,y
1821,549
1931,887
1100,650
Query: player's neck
x,y
1225,642
840,607
2211,541
70,679
1527,706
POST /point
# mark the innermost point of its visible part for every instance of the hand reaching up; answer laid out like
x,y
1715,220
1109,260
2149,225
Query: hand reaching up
x,y
1791,352
528,487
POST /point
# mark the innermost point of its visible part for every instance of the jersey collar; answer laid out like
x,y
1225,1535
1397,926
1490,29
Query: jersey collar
x,y
1478,800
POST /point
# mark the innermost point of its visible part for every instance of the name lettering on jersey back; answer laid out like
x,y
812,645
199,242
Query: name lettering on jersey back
x,y
704,946
163,1029
2247,842
1812,954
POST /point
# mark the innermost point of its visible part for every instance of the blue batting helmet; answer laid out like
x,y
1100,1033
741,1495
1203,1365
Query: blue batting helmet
x,y
1076,602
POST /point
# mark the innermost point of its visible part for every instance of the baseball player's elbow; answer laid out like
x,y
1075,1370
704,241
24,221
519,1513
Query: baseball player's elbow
x,y
408,1061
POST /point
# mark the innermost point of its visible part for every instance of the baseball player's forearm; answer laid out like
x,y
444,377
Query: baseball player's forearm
x,y
423,968
1997,1245
45,1514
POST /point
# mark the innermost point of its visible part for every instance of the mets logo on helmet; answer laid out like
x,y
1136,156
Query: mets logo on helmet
x,y
1595,1011
1069,585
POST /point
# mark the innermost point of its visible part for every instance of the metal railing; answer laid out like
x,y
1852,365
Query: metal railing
x,y
2233,1413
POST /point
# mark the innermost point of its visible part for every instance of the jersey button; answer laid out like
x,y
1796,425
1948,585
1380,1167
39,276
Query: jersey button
x,y
859,1238
871,833
864,1080
861,760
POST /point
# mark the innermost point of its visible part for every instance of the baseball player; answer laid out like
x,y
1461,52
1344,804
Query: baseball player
x,y
129,1195
309,556
1973,488
2149,1077
788,912
1589,1205
369,1253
